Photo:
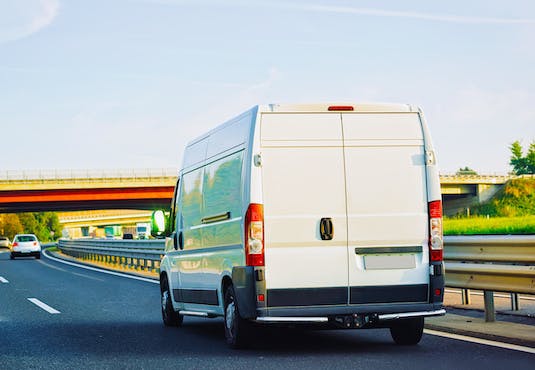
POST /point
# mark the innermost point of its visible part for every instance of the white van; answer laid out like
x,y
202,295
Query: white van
x,y
318,214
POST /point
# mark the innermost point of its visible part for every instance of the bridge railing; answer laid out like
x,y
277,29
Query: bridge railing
x,y
488,263
60,174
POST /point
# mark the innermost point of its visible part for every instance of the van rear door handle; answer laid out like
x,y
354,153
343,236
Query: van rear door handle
x,y
326,228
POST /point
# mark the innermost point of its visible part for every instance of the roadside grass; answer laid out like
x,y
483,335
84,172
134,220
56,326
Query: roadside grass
x,y
490,226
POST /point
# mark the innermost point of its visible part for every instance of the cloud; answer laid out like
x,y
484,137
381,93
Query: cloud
x,y
413,15
352,10
22,18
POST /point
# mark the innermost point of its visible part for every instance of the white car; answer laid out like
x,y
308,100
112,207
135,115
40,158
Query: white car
x,y
4,242
25,245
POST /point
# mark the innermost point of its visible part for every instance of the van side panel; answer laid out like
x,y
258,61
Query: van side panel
x,y
209,216
387,207
302,179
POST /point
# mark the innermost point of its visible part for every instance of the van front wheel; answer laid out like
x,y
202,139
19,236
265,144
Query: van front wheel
x,y
408,331
236,328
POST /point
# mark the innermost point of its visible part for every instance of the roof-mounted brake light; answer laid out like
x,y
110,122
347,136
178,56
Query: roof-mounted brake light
x,y
341,108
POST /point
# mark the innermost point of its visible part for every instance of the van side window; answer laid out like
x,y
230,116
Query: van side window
x,y
190,212
222,186
222,191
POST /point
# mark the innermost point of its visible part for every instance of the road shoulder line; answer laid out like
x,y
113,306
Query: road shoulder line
x,y
47,255
486,342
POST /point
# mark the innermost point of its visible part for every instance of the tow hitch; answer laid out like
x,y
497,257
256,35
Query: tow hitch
x,y
357,321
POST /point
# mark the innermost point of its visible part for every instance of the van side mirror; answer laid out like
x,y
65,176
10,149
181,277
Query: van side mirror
x,y
159,221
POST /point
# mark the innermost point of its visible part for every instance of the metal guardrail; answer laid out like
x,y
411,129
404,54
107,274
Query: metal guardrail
x,y
135,254
492,264
497,263
488,263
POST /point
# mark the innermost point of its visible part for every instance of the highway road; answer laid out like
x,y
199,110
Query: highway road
x,y
54,315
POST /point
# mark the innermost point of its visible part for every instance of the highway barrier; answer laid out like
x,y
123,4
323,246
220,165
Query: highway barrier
x,y
144,255
489,263
497,263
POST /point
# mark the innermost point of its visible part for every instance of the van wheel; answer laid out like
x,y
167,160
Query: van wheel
x,y
169,316
408,331
38,256
237,329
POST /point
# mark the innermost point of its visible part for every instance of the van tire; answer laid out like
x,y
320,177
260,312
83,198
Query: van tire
x,y
169,316
237,329
408,332
38,256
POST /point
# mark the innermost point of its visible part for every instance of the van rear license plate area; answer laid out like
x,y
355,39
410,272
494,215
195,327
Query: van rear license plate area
x,y
399,261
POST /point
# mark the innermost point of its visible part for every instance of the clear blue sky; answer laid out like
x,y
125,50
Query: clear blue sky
x,y
127,83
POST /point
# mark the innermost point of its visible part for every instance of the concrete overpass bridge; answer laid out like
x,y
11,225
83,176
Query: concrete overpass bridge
x,y
149,189
460,192
85,190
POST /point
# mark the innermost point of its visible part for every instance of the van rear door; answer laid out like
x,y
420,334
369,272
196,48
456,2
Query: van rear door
x,y
387,207
303,184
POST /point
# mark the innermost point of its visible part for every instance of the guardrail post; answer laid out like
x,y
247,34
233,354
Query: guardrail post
x,y
465,296
490,312
515,305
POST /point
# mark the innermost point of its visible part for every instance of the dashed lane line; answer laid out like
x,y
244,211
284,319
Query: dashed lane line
x,y
43,306
3,280
486,342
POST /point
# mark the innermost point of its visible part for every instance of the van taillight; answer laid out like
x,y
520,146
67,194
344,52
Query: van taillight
x,y
15,244
254,235
436,243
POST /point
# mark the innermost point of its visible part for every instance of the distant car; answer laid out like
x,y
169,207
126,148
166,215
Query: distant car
x,y
128,236
4,242
25,245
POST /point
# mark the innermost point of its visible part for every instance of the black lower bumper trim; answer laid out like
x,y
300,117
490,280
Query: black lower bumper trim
x,y
416,293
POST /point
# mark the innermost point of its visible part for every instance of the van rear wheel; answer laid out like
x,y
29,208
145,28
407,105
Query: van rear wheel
x,y
408,331
237,329
169,316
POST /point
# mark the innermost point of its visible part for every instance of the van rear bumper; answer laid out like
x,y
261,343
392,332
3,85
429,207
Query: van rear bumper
x,y
382,311
319,320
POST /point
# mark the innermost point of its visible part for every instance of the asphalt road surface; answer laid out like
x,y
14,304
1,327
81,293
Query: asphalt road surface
x,y
57,316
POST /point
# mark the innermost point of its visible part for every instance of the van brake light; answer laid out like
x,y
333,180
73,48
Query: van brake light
x,y
340,108
254,235
436,242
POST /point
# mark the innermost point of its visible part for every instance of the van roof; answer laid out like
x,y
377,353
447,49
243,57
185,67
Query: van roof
x,y
324,107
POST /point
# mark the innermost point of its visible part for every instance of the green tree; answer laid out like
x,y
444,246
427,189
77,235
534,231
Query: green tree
x,y
10,225
531,158
522,165
45,225
466,171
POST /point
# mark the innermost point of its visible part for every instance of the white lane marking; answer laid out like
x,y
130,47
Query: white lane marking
x,y
44,306
4,281
70,272
486,342
100,270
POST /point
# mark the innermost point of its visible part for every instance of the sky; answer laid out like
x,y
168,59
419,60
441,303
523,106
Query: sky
x,y
126,84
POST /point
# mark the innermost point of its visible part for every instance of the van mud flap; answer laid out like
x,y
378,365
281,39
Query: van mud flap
x,y
244,287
